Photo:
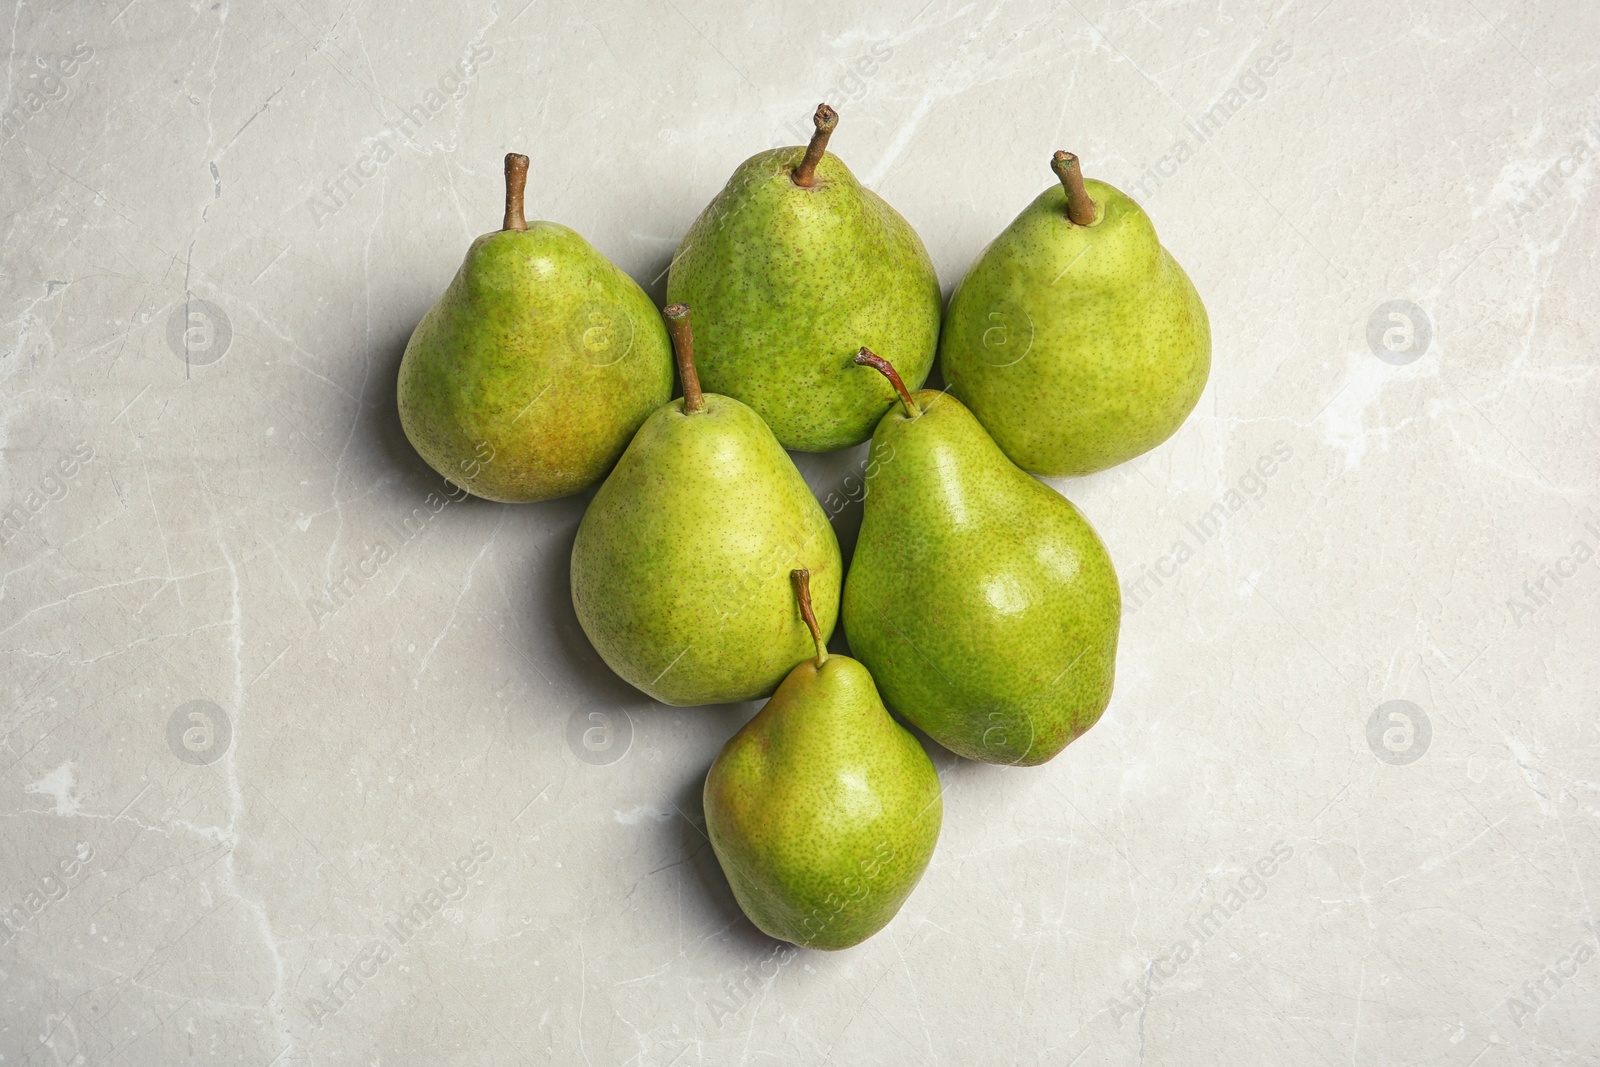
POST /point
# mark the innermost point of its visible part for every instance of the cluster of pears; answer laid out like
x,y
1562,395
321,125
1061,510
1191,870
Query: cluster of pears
x,y
980,604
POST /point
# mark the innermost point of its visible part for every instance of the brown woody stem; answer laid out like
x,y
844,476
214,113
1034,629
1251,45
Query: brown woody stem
x,y
802,591
516,184
867,358
677,316
824,120
1080,209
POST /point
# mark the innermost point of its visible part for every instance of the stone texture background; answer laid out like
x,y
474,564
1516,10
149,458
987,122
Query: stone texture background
x,y
221,784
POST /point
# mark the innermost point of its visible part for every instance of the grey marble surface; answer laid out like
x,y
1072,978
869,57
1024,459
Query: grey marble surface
x,y
1343,807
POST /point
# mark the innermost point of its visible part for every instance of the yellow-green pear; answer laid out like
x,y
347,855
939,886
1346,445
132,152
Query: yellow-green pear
x,y
793,232
681,563
981,600
823,810
528,377
1076,339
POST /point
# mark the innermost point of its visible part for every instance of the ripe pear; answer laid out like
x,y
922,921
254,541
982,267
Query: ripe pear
x,y
1076,339
528,377
679,569
983,603
823,810
794,231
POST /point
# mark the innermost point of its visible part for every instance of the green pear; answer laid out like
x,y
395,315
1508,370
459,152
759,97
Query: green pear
x,y
528,377
981,600
791,233
1076,338
679,569
823,810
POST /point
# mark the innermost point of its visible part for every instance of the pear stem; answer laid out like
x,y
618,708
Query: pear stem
x,y
802,591
805,175
677,316
868,358
1080,209
516,184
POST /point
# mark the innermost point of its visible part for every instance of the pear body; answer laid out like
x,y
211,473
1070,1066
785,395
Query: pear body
x,y
680,569
788,283
528,377
984,604
823,810
1077,347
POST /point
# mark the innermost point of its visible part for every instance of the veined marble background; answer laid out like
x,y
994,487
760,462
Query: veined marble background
x,y
305,760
